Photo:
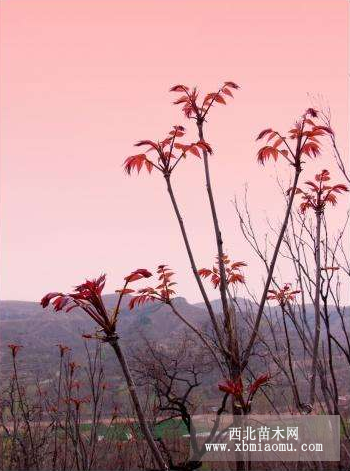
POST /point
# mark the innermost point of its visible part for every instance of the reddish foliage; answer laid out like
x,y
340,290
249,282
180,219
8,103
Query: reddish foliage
x,y
48,297
162,292
305,133
137,162
192,108
266,152
284,295
125,291
318,194
88,297
232,269
137,275
260,381
164,157
235,388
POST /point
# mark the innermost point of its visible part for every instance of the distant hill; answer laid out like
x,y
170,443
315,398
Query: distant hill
x,y
217,306
243,304
28,323
39,330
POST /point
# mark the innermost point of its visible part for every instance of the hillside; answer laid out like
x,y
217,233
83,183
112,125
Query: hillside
x,y
39,330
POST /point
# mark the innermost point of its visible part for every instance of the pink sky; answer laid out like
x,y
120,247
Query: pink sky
x,y
81,81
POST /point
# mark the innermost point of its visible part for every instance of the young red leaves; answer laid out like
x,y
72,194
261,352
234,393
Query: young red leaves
x,y
88,297
137,275
235,388
232,269
194,148
162,292
282,296
260,381
266,152
190,99
305,133
164,157
318,193
136,162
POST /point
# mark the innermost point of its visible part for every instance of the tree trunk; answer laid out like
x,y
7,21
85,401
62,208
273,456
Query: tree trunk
x,y
138,408
317,309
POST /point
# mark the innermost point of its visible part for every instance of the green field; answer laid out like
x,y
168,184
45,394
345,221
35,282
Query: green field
x,y
120,431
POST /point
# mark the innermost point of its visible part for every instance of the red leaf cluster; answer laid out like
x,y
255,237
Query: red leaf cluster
x,y
318,193
235,388
136,162
190,99
305,133
137,275
284,295
164,157
232,269
88,297
260,381
194,148
162,292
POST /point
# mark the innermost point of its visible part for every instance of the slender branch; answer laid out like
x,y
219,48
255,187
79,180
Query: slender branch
x,y
199,333
192,261
232,341
271,270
